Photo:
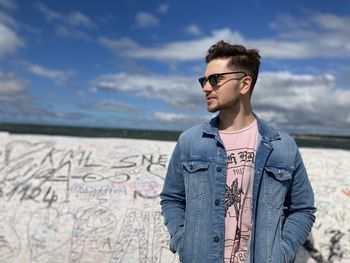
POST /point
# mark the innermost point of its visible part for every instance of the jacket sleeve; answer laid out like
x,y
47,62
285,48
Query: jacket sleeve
x,y
173,201
300,209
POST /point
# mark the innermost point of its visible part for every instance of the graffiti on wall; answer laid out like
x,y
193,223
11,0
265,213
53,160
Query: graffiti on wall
x,y
66,199
82,200
329,172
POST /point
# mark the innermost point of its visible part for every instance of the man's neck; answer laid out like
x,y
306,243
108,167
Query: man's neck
x,y
230,120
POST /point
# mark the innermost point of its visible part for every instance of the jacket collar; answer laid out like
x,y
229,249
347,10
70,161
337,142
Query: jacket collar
x,y
265,130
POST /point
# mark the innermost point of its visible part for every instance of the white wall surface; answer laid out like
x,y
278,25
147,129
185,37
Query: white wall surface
x,y
67,199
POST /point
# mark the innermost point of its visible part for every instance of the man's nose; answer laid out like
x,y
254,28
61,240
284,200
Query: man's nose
x,y
207,87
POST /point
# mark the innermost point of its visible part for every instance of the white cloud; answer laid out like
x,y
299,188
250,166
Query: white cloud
x,y
170,117
184,50
176,51
163,8
8,20
70,116
175,121
10,4
311,25
18,105
111,105
177,91
73,24
322,34
318,36
49,14
9,41
118,45
146,20
302,103
65,31
58,76
332,22
78,19
298,103
12,87
193,29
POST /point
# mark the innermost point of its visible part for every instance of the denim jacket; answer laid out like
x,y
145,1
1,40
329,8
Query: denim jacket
x,y
193,203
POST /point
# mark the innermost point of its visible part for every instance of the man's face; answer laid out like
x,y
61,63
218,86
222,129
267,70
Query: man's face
x,y
226,94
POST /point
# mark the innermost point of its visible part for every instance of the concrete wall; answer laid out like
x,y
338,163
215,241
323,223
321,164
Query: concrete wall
x,y
65,199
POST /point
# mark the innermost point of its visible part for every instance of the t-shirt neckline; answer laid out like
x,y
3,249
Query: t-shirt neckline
x,y
241,130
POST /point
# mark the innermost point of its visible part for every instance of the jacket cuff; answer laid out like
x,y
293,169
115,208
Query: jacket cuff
x,y
289,254
175,241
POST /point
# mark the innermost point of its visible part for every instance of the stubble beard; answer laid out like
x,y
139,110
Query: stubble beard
x,y
227,106
213,110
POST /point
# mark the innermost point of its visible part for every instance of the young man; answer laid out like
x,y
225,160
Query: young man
x,y
236,189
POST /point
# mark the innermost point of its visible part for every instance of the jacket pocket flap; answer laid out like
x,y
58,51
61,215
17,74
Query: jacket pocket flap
x,y
194,166
280,174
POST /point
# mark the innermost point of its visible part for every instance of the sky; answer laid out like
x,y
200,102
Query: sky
x,y
136,64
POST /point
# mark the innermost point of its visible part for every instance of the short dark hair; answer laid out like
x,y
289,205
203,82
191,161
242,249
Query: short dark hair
x,y
241,59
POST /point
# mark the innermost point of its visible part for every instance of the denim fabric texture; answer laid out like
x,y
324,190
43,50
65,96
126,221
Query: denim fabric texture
x,y
193,203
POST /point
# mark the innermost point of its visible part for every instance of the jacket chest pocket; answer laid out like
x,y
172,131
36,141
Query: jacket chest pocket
x,y
195,173
276,182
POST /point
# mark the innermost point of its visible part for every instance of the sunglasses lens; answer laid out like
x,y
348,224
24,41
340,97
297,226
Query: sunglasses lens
x,y
202,81
213,80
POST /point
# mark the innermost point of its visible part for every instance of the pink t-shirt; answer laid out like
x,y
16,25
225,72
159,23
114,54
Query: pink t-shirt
x,y
241,149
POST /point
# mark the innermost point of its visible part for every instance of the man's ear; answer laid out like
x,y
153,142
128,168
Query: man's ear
x,y
246,84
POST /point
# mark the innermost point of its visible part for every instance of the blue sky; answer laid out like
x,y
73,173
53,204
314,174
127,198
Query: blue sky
x,y
135,64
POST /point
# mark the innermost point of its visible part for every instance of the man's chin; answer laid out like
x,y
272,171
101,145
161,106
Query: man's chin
x,y
212,110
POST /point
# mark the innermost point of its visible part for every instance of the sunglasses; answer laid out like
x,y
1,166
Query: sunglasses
x,y
214,78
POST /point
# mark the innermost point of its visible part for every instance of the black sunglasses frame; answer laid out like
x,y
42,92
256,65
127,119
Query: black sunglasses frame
x,y
214,78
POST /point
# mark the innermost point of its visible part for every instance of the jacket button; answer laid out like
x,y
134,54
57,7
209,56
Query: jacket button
x,y
218,169
216,238
217,202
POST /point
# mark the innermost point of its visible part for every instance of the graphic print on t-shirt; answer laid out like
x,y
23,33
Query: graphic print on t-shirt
x,y
241,150
238,203
233,196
